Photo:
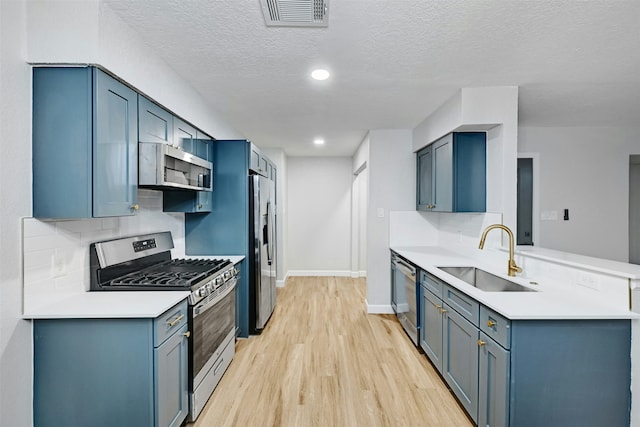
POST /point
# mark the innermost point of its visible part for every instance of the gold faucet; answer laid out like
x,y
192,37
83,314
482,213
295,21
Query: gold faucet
x,y
512,267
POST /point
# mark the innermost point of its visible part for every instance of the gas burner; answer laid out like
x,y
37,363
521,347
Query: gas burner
x,y
143,263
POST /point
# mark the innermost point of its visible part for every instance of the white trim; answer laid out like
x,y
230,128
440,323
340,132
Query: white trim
x,y
379,309
357,274
340,273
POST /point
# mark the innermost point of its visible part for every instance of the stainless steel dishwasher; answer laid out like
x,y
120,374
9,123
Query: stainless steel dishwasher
x,y
404,295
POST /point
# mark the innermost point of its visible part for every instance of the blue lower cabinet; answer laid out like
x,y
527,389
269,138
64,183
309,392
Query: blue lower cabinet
x,y
111,372
521,373
431,331
570,373
460,359
493,383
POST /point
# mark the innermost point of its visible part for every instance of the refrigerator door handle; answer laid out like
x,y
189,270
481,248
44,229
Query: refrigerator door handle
x,y
267,239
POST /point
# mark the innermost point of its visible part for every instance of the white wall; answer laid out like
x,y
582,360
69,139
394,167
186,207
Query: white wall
x,y
67,31
319,215
584,169
15,191
279,158
60,32
392,187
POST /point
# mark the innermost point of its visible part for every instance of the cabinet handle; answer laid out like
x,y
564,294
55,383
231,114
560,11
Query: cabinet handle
x,y
438,306
200,206
135,207
481,343
176,320
187,334
491,323
443,311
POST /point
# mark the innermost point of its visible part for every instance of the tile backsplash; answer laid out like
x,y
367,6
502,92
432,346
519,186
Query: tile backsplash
x,y
56,252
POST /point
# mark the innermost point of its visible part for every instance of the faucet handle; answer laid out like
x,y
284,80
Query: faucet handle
x,y
513,268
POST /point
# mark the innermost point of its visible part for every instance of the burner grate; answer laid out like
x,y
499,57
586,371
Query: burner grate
x,y
182,273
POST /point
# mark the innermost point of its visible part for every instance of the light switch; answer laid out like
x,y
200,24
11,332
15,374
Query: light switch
x,y
549,215
380,212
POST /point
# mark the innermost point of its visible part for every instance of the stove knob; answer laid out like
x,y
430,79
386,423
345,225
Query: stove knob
x,y
219,281
202,291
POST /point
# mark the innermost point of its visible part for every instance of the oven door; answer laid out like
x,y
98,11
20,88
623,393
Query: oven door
x,y
213,320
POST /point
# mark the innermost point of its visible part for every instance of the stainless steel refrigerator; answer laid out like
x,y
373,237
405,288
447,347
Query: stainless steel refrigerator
x,y
262,252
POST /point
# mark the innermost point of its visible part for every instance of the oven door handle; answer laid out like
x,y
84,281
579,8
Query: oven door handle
x,y
202,307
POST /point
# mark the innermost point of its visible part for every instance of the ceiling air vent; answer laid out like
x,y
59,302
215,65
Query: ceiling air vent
x,y
295,13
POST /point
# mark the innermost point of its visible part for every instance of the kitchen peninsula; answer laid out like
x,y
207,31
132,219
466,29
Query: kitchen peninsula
x,y
556,352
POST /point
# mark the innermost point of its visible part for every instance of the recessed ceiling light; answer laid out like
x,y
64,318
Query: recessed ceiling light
x,y
320,74
318,141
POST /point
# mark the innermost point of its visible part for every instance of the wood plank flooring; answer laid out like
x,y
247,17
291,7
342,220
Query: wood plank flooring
x,y
323,361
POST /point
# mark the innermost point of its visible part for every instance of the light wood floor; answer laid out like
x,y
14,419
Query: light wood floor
x,y
323,361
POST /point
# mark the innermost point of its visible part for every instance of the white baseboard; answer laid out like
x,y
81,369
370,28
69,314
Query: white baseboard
x,y
319,273
379,309
357,274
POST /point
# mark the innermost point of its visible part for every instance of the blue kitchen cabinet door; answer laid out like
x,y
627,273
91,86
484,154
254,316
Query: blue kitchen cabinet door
x,y
171,375
187,201
424,182
184,135
84,144
115,147
460,359
493,382
155,124
431,332
442,185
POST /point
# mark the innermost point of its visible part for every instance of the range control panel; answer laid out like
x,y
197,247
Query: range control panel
x,y
143,245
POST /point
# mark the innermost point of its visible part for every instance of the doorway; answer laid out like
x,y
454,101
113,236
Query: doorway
x,y
527,199
359,222
634,209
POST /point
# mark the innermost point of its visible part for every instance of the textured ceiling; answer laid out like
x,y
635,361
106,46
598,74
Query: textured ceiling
x,y
394,61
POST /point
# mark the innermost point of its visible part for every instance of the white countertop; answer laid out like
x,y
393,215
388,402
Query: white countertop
x,y
549,302
94,305
111,304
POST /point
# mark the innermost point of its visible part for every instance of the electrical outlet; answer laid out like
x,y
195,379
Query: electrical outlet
x,y
380,212
58,264
588,280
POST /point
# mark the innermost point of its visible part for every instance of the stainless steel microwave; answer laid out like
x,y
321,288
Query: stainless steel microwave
x,y
162,166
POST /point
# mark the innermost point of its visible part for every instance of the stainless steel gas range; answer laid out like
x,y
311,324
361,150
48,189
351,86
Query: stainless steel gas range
x,y
143,263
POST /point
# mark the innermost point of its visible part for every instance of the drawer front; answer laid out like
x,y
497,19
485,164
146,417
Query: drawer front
x,y
169,322
431,283
466,306
496,326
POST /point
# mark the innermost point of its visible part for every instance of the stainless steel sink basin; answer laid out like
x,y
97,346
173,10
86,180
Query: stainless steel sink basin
x,y
484,281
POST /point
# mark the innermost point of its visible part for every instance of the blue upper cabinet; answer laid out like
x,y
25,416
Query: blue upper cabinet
x,y
452,174
85,151
184,135
155,123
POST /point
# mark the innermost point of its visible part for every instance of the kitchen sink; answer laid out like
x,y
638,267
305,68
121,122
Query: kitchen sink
x,y
484,280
